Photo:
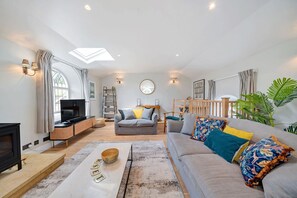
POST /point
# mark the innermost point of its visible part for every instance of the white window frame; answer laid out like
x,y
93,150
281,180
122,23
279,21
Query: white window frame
x,y
60,88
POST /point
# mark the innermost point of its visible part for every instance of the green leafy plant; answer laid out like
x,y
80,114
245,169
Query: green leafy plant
x,y
292,128
260,107
256,107
282,91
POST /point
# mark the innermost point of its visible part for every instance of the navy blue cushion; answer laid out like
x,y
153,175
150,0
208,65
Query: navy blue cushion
x,y
225,145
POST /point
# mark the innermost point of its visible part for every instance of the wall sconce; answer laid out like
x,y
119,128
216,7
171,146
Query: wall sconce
x,y
173,80
26,67
119,81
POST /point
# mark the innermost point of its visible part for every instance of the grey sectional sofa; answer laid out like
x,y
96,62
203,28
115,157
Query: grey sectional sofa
x,y
135,126
206,174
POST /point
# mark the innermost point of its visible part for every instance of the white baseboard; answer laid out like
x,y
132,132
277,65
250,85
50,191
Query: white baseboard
x,y
41,147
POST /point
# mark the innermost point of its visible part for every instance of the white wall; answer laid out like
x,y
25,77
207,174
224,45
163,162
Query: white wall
x,y
129,91
272,63
18,91
96,109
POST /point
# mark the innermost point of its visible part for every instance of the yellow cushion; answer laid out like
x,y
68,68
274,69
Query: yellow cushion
x,y
138,112
238,133
239,151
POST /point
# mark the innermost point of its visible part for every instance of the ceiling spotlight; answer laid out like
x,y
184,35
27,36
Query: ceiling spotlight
x,y
212,6
176,55
88,7
119,55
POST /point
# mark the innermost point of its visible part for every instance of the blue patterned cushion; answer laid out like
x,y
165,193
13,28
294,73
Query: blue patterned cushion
x,y
259,158
204,126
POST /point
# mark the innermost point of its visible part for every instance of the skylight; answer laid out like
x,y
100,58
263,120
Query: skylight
x,y
89,55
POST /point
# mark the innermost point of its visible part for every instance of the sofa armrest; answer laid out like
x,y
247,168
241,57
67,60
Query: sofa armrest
x,y
174,126
155,118
117,118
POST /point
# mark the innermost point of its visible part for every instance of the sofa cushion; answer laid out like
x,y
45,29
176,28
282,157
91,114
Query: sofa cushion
x,y
238,133
189,124
128,114
225,145
147,113
174,126
128,123
281,181
138,112
172,118
145,123
260,158
216,177
183,145
205,125
241,134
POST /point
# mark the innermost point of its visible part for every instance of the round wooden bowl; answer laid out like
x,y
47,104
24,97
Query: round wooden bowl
x,y
110,155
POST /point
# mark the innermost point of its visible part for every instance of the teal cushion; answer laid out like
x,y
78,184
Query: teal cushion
x,y
225,145
172,118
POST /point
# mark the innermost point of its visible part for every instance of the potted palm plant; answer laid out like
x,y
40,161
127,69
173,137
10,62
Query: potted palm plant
x,y
260,107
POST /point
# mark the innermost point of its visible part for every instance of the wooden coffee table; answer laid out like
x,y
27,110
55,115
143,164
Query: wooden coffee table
x,y
80,183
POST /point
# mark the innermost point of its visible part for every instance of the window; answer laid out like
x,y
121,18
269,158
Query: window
x,y
61,89
228,87
89,55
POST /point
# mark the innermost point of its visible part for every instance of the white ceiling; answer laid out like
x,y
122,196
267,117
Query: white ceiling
x,y
148,33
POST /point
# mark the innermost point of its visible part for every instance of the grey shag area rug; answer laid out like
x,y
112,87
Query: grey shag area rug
x,y
151,175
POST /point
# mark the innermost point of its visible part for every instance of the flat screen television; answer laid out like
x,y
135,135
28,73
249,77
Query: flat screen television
x,y
73,110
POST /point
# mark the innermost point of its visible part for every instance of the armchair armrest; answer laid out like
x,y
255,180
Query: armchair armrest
x,y
174,126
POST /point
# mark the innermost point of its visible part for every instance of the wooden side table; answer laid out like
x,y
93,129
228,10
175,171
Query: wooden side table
x,y
153,106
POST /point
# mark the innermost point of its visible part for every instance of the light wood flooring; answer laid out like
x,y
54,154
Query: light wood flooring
x,y
107,134
14,183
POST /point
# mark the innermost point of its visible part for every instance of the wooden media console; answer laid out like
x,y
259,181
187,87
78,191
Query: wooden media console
x,y
65,131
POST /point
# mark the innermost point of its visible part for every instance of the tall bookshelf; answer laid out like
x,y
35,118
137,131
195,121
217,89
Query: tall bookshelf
x,y
109,103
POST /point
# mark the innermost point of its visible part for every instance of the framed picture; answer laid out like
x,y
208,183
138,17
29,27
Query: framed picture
x,y
92,89
199,89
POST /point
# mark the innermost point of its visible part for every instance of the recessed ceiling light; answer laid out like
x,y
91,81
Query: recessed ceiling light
x,y
88,7
119,55
212,6
89,55
176,54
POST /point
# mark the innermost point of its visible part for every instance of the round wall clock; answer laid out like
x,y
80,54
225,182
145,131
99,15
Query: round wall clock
x,y
147,87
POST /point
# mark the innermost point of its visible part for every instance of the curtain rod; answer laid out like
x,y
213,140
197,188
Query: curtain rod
x,y
67,63
226,77
230,76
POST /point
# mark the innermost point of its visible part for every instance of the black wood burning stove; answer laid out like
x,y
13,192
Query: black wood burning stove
x,y
10,146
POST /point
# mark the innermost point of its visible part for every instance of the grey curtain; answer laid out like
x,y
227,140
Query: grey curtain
x,y
86,93
44,92
247,80
211,89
